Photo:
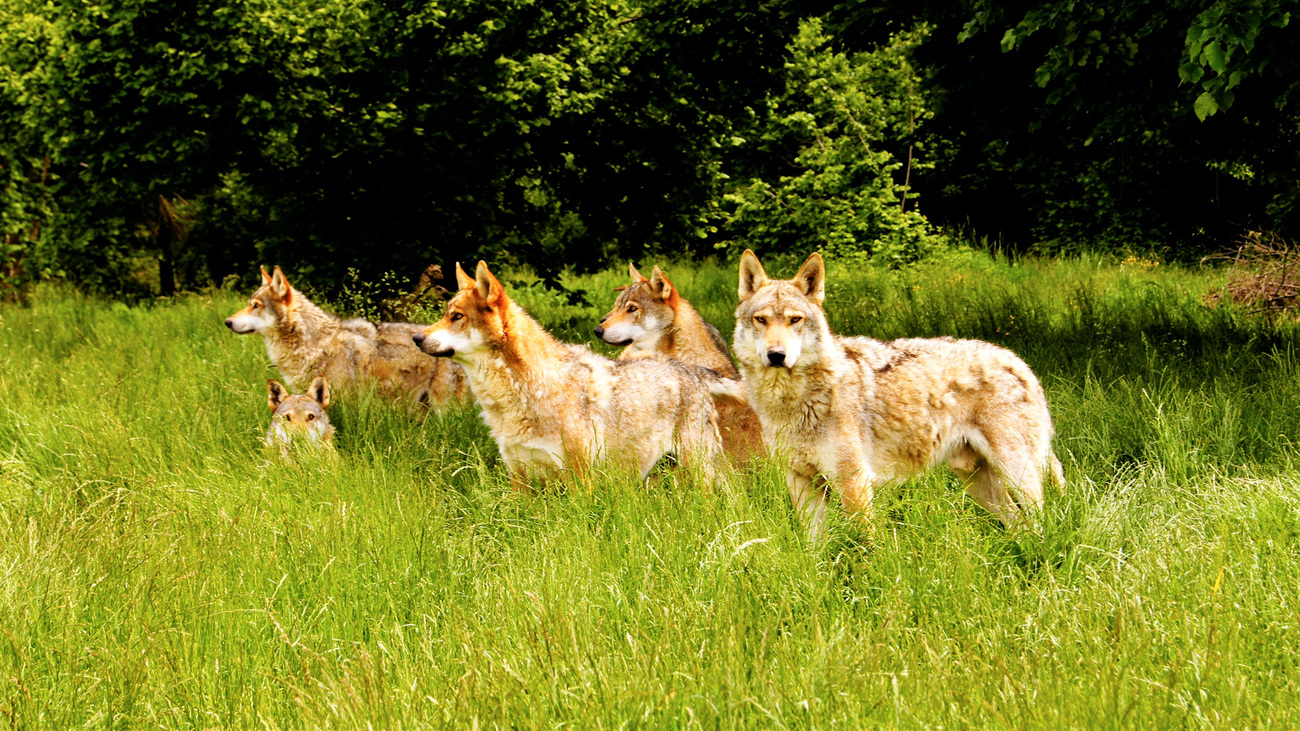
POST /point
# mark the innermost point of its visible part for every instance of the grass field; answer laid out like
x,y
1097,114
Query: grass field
x,y
159,568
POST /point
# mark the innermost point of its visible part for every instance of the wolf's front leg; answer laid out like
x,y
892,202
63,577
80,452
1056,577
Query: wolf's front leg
x,y
855,481
523,477
809,498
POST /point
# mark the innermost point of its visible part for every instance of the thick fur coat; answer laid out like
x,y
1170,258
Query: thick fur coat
x,y
304,341
650,317
559,409
860,413
300,418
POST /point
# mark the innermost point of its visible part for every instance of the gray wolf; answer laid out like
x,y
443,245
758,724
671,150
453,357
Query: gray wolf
x,y
299,418
556,409
860,413
651,317
304,341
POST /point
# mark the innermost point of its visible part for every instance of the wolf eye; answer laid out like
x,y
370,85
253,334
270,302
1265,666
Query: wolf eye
x,y
456,317
631,308
760,320
796,320
287,417
311,417
254,304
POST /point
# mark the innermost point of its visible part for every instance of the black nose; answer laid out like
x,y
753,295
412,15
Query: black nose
x,y
600,332
230,324
418,339
776,357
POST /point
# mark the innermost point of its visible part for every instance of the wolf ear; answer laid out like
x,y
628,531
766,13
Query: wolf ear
x,y
637,277
266,278
281,287
320,390
463,280
488,287
811,279
752,276
275,393
661,286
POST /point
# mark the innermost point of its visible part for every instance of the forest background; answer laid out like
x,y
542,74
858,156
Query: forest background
x,y
149,146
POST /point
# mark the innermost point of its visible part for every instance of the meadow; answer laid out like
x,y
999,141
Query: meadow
x,y
160,568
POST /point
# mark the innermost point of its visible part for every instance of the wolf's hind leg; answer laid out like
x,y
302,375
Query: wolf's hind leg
x,y
699,444
1010,489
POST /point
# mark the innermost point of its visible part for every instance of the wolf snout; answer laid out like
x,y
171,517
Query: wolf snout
x,y
776,358
418,339
230,323
600,332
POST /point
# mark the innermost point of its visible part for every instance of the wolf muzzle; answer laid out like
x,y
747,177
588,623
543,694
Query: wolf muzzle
x,y
600,333
419,339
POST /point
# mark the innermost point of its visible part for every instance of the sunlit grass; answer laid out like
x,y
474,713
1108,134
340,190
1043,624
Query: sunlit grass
x,y
158,567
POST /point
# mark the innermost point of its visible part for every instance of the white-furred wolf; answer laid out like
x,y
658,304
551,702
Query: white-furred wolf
x,y
859,413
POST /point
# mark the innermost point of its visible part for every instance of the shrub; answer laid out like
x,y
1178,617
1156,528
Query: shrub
x,y
832,128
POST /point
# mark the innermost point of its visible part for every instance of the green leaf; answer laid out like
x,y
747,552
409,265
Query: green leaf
x,y
1215,56
1190,73
1009,40
1205,106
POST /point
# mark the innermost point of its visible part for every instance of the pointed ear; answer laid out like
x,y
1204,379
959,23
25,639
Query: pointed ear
x,y
320,390
463,280
488,287
636,276
811,279
275,393
661,286
266,278
752,276
280,286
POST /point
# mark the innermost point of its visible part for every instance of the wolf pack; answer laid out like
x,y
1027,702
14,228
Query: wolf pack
x,y
846,415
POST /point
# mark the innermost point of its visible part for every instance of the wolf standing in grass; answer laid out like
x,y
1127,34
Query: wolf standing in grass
x,y
305,341
651,317
554,407
862,413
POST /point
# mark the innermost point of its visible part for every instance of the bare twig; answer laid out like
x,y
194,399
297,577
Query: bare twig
x,y
1264,268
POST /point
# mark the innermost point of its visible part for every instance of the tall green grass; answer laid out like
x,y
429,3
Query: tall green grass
x,y
158,567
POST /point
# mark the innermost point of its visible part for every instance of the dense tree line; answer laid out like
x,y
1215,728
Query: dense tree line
x,y
187,141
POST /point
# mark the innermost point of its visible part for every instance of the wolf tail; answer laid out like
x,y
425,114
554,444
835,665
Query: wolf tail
x,y
1057,473
720,385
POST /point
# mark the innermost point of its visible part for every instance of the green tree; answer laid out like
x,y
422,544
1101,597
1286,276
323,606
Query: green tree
x,y
829,179
1122,146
